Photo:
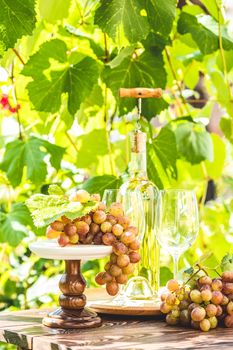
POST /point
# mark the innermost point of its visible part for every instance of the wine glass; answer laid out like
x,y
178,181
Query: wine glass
x,y
110,196
178,222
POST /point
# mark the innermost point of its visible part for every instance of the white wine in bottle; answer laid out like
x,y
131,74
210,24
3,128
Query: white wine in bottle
x,y
138,181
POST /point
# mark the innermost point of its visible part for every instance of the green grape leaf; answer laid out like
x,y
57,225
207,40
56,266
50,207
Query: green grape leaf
x,y
51,80
162,156
194,142
53,10
111,14
147,70
98,184
226,126
55,189
47,208
30,154
204,31
161,15
17,18
14,225
227,263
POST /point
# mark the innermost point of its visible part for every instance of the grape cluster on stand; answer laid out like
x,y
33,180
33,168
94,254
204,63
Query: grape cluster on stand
x,y
110,227
206,305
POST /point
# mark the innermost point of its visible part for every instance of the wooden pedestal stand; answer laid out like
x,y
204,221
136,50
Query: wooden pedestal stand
x,y
72,312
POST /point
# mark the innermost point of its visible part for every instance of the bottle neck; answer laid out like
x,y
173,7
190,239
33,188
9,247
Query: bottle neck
x,y
137,165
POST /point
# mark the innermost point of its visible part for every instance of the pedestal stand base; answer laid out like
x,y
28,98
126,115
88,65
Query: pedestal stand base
x,y
76,319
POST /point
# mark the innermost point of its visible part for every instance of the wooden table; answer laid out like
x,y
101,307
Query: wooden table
x,y
24,329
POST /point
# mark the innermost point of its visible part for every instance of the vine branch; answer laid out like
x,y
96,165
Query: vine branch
x,y
14,94
19,56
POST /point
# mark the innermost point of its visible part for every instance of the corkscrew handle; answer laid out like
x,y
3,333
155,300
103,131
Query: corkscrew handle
x,y
141,92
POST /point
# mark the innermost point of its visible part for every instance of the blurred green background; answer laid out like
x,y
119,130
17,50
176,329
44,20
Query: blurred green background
x,y
62,121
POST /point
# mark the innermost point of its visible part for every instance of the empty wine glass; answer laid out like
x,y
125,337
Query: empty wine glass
x,y
178,222
110,196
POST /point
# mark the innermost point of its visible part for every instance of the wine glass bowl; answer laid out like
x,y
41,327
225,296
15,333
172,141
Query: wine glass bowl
x,y
178,221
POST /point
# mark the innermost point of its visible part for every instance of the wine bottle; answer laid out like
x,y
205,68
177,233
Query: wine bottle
x,y
138,180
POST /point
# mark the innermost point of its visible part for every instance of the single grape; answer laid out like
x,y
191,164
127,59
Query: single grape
x,y
225,300
99,278
115,270
63,240
106,227
124,221
195,324
228,321
127,237
175,311
108,238
205,280
171,299
133,229
65,220
205,287
184,304
123,260
117,230
134,257
102,206
88,238
230,308
113,258
57,225
216,284
82,228
219,311
70,229
112,288
172,285
98,238
227,276
135,245
87,219
94,228
106,277
195,296
206,295
119,248
81,196
74,239
116,209
165,308
111,219
198,314
213,321
107,266
164,296
217,297
205,325
171,320
99,216
185,317
211,310
128,270
51,234
227,288
122,279
95,197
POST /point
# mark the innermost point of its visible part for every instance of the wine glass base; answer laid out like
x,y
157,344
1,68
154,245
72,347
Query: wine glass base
x,y
138,288
68,319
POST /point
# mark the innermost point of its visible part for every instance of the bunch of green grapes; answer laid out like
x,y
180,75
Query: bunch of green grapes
x,y
205,306
111,228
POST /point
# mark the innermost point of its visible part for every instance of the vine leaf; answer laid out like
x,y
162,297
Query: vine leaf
x,y
51,80
147,70
162,156
161,15
17,18
98,184
53,10
30,154
204,31
14,225
194,142
111,14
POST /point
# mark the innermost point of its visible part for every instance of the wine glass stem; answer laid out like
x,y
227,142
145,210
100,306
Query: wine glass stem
x,y
176,262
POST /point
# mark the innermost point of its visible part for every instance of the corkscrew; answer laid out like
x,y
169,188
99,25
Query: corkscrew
x,y
140,93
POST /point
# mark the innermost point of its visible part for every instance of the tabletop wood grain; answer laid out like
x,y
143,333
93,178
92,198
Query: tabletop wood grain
x,y
24,329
